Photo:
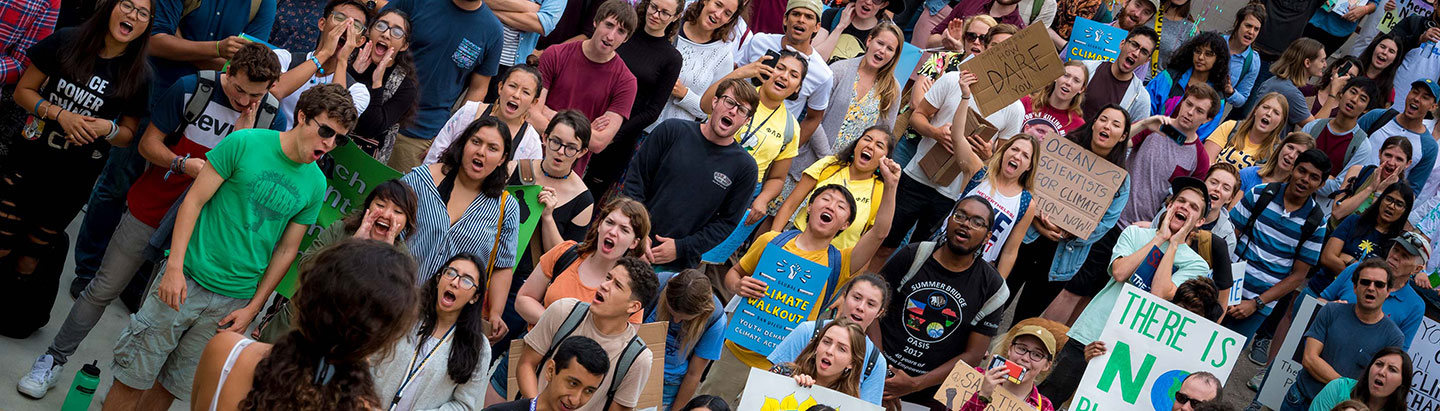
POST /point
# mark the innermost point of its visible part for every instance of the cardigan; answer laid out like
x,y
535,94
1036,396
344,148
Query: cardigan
x,y
434,390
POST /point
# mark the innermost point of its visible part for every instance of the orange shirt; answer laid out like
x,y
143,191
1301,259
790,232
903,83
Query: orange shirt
x,y
568,284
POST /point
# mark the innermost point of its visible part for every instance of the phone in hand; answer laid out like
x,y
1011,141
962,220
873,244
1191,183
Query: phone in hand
x,y
1173,133
774,59
1014,371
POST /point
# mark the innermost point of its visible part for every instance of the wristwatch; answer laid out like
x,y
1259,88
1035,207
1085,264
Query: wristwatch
x,y
1259,300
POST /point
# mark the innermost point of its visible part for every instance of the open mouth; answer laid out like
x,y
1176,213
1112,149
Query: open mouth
x,y
824,363
1412,107
126,28
599,298
607,245
448,298
1370,297
382,227
1065,90
1129,62
714,21
826,217
1349,107
961,236
512,107
856,318
1012,165
318,153
781,85
382,47
1214,198
797,29
726,121
1182,216
865,156
1265,122
477,165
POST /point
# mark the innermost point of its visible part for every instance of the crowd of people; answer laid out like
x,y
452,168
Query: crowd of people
x,y
197,138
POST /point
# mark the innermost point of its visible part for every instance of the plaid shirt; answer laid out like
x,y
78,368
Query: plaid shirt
x,y
22,23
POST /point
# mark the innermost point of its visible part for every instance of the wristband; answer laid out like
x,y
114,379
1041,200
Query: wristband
x,y
114,129
217,50
36,110
318,68
1260,300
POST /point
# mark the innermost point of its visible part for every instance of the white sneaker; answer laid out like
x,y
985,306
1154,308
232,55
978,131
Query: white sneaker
x,y
41,379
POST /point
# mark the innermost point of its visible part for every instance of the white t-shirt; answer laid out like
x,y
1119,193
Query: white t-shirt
x,y
945,96
1007,209
529,148
819,81
359,93
1420,63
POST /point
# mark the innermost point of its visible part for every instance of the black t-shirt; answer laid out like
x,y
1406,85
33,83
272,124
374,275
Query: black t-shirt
x,y
928,321
852,40
1103,89
95,95
521,405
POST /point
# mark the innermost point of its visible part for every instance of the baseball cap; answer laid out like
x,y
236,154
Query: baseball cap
x,y
1181,183
1429,86
812,5
1045,336
1414,244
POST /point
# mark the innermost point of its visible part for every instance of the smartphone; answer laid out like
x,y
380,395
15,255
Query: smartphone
x,y
1173,133
1016,372
1345,67
774,59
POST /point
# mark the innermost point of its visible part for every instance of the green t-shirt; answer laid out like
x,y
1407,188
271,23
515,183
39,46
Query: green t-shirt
x,y
264,191
1092,321
1337,391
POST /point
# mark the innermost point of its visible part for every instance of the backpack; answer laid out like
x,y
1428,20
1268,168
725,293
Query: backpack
x,y
664,278
1384,119
1267,195
206,81
1356,139
870,360
633,350
1204,241
922,254
835,263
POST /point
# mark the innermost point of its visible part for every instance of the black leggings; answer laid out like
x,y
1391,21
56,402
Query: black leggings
x,y
1068,370
1033,273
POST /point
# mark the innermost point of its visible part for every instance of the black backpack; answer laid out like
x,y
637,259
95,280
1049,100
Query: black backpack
x,y
1267,195
206,81
633,350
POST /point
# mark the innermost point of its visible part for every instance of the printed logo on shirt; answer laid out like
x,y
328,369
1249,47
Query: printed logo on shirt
x,y
273,197
214,124
722,180
932,312
1039,124
466,53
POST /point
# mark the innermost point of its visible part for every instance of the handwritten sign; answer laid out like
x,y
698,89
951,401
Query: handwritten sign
x,y
940,166
1074,186
1092,40
794,286
1287,361
767,391
963,382
1153,345
1014,68
1425,353
1403,9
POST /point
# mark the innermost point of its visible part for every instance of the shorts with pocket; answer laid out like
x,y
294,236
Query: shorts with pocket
x,y
164,345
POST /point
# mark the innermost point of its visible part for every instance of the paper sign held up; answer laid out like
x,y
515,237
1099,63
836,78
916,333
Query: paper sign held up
x,y
1092,40
767,391
963,382
942,167
794,287
1074,186
1014,68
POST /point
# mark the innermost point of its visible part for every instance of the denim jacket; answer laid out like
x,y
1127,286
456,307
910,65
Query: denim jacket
x,y
1070,254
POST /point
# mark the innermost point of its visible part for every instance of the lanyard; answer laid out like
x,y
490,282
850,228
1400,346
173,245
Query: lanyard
x,y
411,370
532,403
751,130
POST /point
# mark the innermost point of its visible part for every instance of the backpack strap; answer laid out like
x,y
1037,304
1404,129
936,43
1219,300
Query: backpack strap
x,y
870,360
296,59
1385,118
206,81
789,134
566,260
255,8
633,350
572,321
526,171
268,110
995,302
922,253
1312,223
1267,194
1035,7
1203,241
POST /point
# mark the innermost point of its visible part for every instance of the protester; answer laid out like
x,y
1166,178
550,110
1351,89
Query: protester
x,y
452,339
873,98
1303,59
1003,11
1203,59
831,360
569,268
1341,136
855,168
1418,35
1408,122
342,30
1115,82
1386,388
862,300
1379,64
1365,184
579,364
524,22
1323,96
567,206
844,31
387,68
1244,60
1165,156
348,312
706,54
1406,258
653,59
697,331
1280,164
801,22
1030,344
1056,108
1245,143
1195,389
518,90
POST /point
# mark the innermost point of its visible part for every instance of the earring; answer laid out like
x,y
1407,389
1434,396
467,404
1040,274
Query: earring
x,y
847,371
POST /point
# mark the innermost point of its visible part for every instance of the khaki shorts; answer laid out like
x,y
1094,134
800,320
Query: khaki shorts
x,y
408,153
164,345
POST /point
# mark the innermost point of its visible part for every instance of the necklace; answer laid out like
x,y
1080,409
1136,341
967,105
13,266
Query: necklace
x,y
547,173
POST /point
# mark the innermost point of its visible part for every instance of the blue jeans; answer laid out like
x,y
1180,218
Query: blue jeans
x,y
107,204
1247,326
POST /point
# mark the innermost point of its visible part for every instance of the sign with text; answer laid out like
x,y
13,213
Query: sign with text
x,y
1425,353
793,287
767,391
1287,360
942,167
1153,345
1074,186
1092,40
1014,68
1403,9
1237,288
963,382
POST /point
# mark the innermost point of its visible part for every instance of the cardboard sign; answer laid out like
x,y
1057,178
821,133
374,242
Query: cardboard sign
x,y
1237,289
1092,40
963,382
1403,9
942,167
1014,68
794,286
1074,186
1153,345
767,391
1425,353
1287,361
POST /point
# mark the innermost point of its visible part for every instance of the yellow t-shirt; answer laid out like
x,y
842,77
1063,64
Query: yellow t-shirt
x,y
767,142
867,191
1244,155
752,258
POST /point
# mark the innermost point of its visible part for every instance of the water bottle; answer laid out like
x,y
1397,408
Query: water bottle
x,y
83,389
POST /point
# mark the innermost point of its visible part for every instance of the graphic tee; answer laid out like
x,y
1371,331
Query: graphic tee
x,y
1048,119
764,137
929,319
94,95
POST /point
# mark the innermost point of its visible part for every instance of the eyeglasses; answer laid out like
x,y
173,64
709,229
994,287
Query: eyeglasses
x,y
1392,201
128,7
327,132
1033,355
1136,45
451,273
1182,399
1373,283
981,37
660,12
963,220
395,32
729,103
554,144
355,26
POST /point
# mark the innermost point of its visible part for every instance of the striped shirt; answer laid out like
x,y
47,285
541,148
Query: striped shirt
x,y
1275,241
436,240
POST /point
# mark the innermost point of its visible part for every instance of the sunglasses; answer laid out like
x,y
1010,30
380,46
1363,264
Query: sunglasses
x,y
327,132
1373,283
982,37
1182,399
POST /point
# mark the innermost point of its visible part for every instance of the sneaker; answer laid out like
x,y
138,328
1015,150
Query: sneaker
x,y
1255,381
1254,406
41,379
1260,352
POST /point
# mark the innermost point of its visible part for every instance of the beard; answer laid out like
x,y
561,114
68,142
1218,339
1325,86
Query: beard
x,y
960,249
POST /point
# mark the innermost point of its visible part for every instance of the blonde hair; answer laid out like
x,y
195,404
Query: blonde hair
x,y
849,382
1041,97
1296,137
983,18
1027,177
687,293
1242,131
1291,65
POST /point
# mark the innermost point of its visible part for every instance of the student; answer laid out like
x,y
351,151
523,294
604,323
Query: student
x,y
1380,64
1213,238
1005,180
229,273
626,290
697,331
1303,59
947,272
523,23
1115,82
652,58
1337,135
1333,27
84,90
1196,295
1130,263
861,301
1157,157
1387,384
359,276
1004,12
1244,60
873,95
387,68
1196,389
464,208
579,362
706,30
856,168
1382,221
1056,108
978,32
1364,184
1030,344
590,77
577,270
831,360
1280,237
456,60
1343,335
1418,35
1244,144
251,73
1423,97
342,28
1178,27
1280,164
1323,95
844,31
801,22
1124,15
694,175
517,91
1203,59
449,336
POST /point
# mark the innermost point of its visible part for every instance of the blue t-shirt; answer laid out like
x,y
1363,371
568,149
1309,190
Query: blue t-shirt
x,y
1249,178
449,44
708,347
1361,241
211,21
872,385
1404,307
1349,344
1335,23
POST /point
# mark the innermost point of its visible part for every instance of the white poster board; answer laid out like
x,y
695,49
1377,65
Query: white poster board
x,y
1153,345
1425,353
1286,368
1237,287
767,391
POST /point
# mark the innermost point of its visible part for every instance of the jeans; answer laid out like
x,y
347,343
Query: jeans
x,y
122,258
106,205
1247,326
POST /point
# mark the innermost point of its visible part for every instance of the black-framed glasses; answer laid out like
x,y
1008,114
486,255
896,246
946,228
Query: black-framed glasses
x,y
451,273
355,26
1034,355
963,220
729,103
395,32
1381,284
1392,201
327,132
567,150
660,11
1182,399
128,7
1136,45
981,37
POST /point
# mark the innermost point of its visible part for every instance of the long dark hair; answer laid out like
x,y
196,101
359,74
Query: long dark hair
x,y
347,309
77,58
1386,78
468,337
1371,217
1396,400
709,402
1326,78
404,62
451,158
1183,59
1085,136
395,192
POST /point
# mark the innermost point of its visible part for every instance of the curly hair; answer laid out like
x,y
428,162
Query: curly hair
x,y
1183,59
1201,296
468,335
331,99
347,310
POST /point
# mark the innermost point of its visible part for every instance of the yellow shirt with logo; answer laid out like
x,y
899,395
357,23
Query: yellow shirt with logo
x,y
867,190
752,258
767,140
1243,155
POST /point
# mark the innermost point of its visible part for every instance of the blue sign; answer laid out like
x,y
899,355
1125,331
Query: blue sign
x,y
794,286
1092,40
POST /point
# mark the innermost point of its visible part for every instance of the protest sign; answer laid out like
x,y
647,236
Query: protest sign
x,y
1237,289
529,198
356,173
1153,345
1014,68
1287,361
940,166
1074,186
1092,40
963,382
793,287
767,391
1403,9
1425,354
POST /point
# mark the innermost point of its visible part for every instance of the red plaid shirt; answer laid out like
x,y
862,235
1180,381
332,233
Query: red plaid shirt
x,y
22,23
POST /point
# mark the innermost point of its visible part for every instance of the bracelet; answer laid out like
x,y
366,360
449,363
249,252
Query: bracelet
x,y
114,129
177,165
217,50
36,110
58,111
320,69
964,97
